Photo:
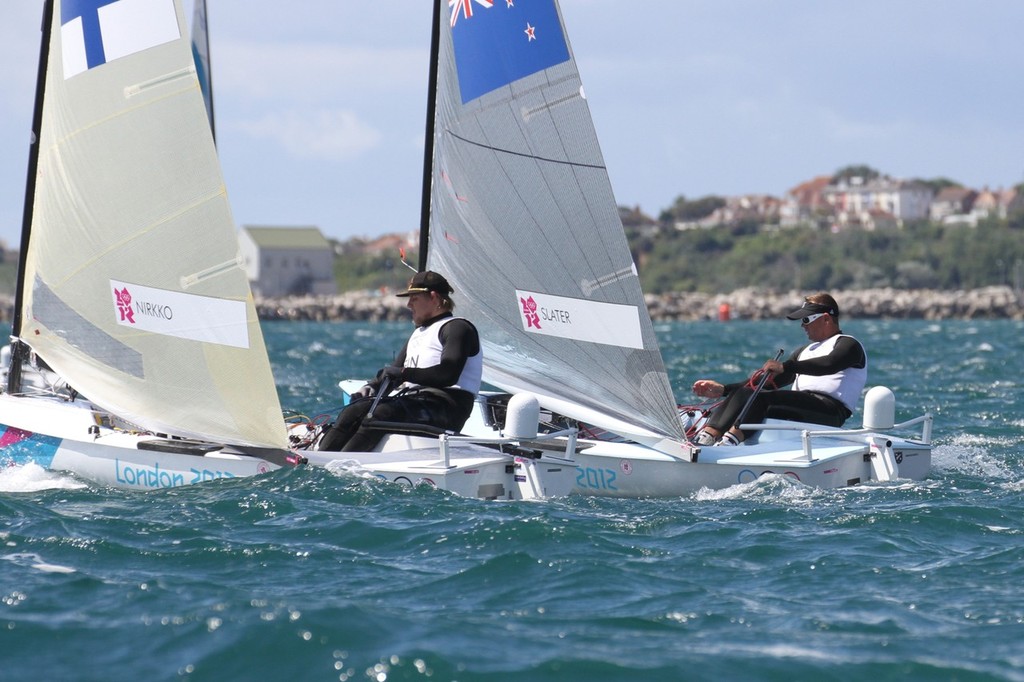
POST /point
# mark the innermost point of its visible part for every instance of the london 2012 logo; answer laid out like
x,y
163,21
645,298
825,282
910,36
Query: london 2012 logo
x,y
149,303
530,312
123,300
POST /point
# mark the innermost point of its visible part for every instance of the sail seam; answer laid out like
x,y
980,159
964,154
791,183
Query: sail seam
x,y
481,145
144,230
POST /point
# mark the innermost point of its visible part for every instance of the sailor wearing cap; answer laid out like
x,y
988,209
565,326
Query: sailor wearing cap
x,y
437,373
826,377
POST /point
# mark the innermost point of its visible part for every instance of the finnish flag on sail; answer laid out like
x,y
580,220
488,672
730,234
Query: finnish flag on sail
x,y
94,32
500,41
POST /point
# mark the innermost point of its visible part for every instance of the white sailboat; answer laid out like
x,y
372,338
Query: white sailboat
x,y
519,214
136,357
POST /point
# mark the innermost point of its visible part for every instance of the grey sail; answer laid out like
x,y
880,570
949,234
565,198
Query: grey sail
x,y
524,223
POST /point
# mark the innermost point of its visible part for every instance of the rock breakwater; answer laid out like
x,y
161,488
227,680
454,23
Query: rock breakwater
x,y
997,302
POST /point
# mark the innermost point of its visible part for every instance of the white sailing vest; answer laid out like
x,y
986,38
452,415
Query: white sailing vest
x,y
846,385
424,350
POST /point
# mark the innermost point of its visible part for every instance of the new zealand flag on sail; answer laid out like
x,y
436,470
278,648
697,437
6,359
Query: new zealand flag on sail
x,y
500,41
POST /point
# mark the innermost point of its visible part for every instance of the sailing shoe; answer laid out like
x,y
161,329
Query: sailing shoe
x,y
729,439
704,438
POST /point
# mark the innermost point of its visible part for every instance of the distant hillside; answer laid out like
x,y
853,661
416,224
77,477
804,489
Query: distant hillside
x,y
8,277
365,265
722,259
921,255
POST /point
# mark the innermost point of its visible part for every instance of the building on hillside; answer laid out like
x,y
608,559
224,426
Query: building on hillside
x,y
986,205
805,204
993,203
386,245
760,208
1014,201
288,261
634,218
857,200
756,208
878,219
951,203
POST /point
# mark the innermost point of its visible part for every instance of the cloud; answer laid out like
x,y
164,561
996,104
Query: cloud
x,y
324,134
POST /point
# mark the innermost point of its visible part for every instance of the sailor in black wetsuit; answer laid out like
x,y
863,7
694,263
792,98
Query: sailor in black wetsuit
x,y
827,377
437,373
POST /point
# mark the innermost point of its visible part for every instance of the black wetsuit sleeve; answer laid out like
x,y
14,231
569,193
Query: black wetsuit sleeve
x,y
459,341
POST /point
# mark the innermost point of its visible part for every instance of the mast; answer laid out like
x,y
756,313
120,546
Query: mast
x,y
19,349
209,70
203,59
428,143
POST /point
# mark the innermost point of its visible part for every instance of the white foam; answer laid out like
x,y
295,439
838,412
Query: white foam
x,y
970,454
35,561
768,486
29,478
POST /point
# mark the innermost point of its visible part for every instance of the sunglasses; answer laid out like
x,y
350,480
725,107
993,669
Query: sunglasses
x,y
811,318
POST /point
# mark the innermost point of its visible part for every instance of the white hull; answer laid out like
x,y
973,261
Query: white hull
x,y
472,472
75,437
631,470
466,466
471,466
809,453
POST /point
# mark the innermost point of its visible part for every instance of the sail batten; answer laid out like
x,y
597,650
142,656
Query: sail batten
x,y
524,223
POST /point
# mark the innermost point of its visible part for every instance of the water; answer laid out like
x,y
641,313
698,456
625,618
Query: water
x,y
311,575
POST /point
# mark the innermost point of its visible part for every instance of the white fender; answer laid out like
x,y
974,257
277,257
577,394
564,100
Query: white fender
x,y
523,417
879,409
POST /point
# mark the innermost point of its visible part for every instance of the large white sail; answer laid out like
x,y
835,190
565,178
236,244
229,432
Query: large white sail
x,y
134,290
525,225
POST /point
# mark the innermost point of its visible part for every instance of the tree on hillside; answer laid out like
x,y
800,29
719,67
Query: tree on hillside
x,y
1015,211
849,172
683,210
938,184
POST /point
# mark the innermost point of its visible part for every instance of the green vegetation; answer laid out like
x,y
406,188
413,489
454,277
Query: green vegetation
x,y
8,277
684,210
370,271
921,255
848,173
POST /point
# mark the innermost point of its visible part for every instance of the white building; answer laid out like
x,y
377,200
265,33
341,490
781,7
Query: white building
x,y
286,261
856,200
951,204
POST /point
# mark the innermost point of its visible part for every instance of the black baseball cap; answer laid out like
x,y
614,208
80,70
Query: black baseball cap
x,y
425,281
809,308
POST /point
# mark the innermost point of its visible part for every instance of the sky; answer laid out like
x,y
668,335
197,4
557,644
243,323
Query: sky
x,y
320,104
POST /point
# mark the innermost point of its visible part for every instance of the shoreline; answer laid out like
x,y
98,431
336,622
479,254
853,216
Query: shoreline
x,y
997,302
